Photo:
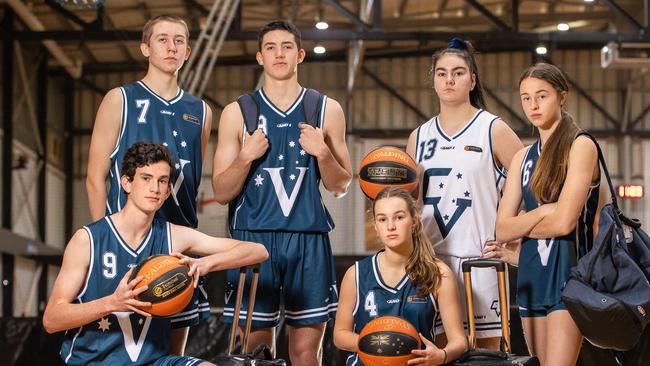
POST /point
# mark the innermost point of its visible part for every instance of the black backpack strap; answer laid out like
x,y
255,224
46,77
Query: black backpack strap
x,y
250,110
312,103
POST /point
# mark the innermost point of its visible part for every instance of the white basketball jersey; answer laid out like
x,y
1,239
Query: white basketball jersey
x,y
461,185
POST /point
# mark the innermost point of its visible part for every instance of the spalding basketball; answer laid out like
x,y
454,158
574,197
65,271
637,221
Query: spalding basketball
x,y
170,287
387,166
388,341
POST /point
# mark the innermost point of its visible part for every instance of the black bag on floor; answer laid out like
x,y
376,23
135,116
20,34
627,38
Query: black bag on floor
x,y
261,355
608,293
484,357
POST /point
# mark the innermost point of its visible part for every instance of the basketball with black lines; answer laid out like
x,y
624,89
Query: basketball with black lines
x,y
387,166
388,341
170,287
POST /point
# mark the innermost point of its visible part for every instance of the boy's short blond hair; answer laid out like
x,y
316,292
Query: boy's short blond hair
x,y
147,30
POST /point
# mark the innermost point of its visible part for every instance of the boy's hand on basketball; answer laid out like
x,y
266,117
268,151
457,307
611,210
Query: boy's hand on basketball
x,y
198,267
430,355
312,140
255,146
124,297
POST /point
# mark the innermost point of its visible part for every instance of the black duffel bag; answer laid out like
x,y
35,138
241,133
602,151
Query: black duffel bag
x,y
608,292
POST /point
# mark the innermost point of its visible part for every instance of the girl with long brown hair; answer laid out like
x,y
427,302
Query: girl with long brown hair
x,y
405,279
557,178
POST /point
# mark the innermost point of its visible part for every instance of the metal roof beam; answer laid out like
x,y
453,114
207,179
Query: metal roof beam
x,y
491,17
66,13
623,14
196,5
599,38
348,14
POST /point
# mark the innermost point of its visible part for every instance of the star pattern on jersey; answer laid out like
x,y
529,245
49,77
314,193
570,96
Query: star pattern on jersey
x,y
177,165
459,176
446,217
104,324
183,143
292,177
281,157
258,180
466,193
292,143
302,152
140,321
174,133
165,144
441,185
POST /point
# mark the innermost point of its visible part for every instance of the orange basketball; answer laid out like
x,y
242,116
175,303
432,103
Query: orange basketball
x,y
388,341
387,166
170,287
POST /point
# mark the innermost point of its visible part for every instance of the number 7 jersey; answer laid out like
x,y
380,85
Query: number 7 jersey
x,y
176,123
461,185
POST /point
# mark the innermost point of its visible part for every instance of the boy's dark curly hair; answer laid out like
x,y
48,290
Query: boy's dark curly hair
x,y
145,153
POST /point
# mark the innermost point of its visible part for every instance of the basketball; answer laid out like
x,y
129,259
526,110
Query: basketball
x,y
388,341
170,287
387,166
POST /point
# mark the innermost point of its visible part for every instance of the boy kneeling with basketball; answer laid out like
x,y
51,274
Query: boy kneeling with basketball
x,y
92,295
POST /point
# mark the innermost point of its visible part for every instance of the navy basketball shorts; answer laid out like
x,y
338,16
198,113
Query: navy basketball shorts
x,y
300,271
541,311
172,360
196,311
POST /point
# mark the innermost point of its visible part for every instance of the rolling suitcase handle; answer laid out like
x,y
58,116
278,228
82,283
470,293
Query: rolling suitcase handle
x,y
500,267
249,313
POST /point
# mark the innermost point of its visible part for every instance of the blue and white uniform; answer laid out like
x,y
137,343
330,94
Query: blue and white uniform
x,y
177,124
125,337
375,298
280,206
545,264
461,187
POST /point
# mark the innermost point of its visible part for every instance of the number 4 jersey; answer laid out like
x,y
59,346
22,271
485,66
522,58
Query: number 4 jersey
x,y
461,185
177,124
375,298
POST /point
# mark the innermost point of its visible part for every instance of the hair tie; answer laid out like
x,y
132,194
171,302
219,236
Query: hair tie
x,y
458,43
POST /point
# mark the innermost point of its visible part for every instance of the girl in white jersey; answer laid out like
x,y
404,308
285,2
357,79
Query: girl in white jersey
x,y
462,154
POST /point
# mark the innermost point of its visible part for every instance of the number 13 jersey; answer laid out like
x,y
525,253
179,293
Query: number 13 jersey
x,y
461,185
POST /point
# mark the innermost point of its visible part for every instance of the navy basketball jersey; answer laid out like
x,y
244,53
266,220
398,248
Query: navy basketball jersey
x,y
125,337
548,261
177,124
375,299
282,188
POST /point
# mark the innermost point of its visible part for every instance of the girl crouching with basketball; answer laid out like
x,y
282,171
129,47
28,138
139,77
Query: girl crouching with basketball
x,y
404,279
557,179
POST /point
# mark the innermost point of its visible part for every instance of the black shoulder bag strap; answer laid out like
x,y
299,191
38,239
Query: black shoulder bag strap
x,y
601,158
